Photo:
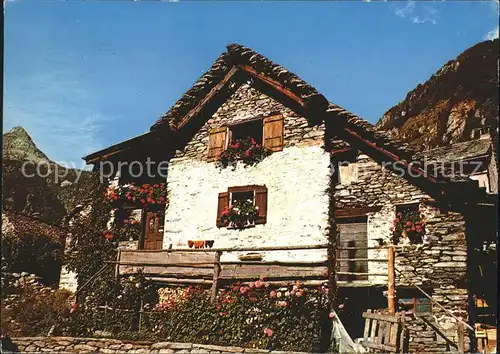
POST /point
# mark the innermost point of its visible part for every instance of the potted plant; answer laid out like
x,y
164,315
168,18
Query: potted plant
x,y
241,214
408,224
244,150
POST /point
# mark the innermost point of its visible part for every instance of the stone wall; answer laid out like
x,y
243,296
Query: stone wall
x,y
94,345
438,265
297,180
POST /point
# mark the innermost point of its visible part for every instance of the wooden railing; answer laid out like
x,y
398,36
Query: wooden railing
x,y
205,267
384,332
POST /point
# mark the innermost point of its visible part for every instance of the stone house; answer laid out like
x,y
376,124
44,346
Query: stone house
x,y
329,176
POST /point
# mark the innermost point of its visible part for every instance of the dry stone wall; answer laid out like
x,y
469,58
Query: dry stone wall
x,y
109,346
439,264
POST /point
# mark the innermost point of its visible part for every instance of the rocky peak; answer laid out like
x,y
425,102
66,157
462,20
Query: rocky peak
x,y
462,96
18,145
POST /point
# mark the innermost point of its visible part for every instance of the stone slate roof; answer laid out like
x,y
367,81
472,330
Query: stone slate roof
x,y
241,56
459,151
236,55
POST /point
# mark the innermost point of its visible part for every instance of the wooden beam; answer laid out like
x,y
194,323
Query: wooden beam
x,y
273,83
217,268
355,212
390,281
236,249
196,109
394,157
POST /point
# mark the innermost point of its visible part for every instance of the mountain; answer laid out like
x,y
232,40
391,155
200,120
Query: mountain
x,y
47,194
458,98
18,145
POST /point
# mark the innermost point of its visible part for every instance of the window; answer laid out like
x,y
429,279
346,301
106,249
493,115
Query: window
x,y
408,225
253,195
268,132
252,129
348,172
353,252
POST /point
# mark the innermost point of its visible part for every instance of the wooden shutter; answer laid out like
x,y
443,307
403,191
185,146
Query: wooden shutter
x,y
273,133
261,202
216,143
222,204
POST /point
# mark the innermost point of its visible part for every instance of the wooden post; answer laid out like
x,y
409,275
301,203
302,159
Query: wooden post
x,y
213,291
332,281
391,281
117,268
461,337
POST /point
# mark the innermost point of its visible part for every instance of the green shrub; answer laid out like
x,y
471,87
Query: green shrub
x,y
30,309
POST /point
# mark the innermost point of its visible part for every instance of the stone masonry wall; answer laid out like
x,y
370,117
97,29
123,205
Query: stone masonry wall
x,y
108,346
439,264
297,180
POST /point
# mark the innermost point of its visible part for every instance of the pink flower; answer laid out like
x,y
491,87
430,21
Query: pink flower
x,y
73,307
341,306
272,294
298,294
251,285
258,284
268,331
243,290
332,315
252,140
283,303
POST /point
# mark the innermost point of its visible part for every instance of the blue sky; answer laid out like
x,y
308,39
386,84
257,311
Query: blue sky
x,y
80,76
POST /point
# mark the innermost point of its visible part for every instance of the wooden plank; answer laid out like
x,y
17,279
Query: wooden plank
x,y
461,337
196,109
402,334
362,273
172,272
367,325
383,347
382,317
235,249
361,259
217,269
393,335
381,331
165,257
243,271
374,329
354,212
180,281
276,85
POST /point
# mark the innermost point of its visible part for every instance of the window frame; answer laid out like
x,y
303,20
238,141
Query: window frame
x,y
261,204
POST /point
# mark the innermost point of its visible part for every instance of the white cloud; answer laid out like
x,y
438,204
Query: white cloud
x,y
491,35
416,14
56,111
406,10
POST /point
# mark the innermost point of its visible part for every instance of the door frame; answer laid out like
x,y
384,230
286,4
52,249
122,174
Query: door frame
x,y
144,213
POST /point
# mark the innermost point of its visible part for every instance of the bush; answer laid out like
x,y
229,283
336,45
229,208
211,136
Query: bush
x,y
29,308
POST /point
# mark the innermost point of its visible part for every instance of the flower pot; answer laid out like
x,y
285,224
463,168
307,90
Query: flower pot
x,y
209,243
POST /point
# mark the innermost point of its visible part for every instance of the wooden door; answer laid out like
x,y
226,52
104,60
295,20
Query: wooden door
x,y
153,235
353,236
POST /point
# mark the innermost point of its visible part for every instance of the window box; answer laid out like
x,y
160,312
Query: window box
x,y
249,141
242,207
